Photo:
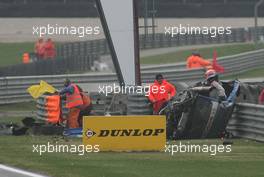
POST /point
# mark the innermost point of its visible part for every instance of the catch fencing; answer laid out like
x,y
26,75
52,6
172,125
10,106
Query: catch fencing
x,y
159,40
80,56
247,122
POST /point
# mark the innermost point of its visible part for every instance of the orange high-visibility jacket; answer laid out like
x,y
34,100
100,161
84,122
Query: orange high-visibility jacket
x,y
161,93
49,50
26,58
75,99
39,49
197,62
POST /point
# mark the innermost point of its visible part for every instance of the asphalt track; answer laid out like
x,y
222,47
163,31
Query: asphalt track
x,y
7,171
20,29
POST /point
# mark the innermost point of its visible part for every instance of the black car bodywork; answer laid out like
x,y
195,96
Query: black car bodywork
x,y
197,112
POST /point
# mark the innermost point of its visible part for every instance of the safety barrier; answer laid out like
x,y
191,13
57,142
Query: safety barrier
x,y
48,108
159,40
138,104
247,121
13,89
51,66
233,64
80,56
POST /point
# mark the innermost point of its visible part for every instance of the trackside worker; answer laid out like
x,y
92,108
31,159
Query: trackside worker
x,y
39,48
49,49
73,103
26,58
261,97
160,93
212,79
196,61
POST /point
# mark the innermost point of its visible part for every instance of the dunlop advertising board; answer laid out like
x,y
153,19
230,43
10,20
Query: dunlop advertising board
x,y
125,133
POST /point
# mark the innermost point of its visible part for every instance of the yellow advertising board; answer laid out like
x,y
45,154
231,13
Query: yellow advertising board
x,y
125,133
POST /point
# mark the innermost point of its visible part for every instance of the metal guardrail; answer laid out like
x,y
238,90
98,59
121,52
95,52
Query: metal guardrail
x,y
233,64
13,89
242,62
247,121
51,66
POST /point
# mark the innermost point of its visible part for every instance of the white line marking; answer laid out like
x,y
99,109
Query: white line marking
x,y
22,172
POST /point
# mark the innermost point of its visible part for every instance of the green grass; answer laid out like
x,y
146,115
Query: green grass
x,y
16,120
245,160
27,106
248,74
11,53
181,56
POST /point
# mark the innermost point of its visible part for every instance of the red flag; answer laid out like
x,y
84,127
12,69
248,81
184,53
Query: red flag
x,y
218,68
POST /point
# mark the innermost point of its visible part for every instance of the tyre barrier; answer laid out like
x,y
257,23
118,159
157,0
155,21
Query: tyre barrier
x,y
138,104
50,108
98,102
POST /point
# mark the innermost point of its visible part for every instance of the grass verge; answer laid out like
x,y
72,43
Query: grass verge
x,y
11,53
27,106
248,74
16,120
181,56
245,160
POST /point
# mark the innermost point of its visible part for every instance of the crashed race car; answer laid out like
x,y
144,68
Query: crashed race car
x,y
198,113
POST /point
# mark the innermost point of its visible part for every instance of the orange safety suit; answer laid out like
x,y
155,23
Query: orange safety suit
x,y
85,108
26,58
49,50
74,102
159,94
197,62
86,101
39,49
